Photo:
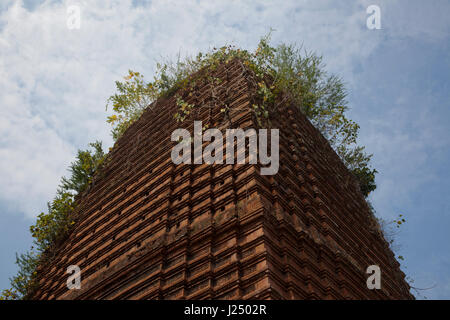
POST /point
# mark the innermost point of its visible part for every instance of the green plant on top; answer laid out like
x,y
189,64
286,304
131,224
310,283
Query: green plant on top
x,y
282,74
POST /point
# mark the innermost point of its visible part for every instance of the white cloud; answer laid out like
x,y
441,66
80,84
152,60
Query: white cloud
x,y
54,81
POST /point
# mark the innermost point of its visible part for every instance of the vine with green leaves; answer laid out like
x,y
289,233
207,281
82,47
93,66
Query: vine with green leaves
x,y
283,74
53,227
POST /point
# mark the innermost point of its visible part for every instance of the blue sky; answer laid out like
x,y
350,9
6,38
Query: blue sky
x,y
54,83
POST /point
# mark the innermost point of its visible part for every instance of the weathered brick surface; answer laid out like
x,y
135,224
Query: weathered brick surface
x,y
150,229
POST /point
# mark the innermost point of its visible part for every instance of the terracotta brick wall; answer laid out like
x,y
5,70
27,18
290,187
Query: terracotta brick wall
x,y
150,229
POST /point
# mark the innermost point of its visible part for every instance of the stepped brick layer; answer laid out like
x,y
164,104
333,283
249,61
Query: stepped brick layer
x,y
150,229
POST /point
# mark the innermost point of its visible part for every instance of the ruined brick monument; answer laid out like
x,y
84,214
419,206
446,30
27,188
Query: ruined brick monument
x,y
150,229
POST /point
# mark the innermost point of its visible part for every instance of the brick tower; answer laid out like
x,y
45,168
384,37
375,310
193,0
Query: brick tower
x,y
150,229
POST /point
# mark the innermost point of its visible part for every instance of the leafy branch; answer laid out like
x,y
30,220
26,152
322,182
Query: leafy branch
x,y
284,73
52,227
